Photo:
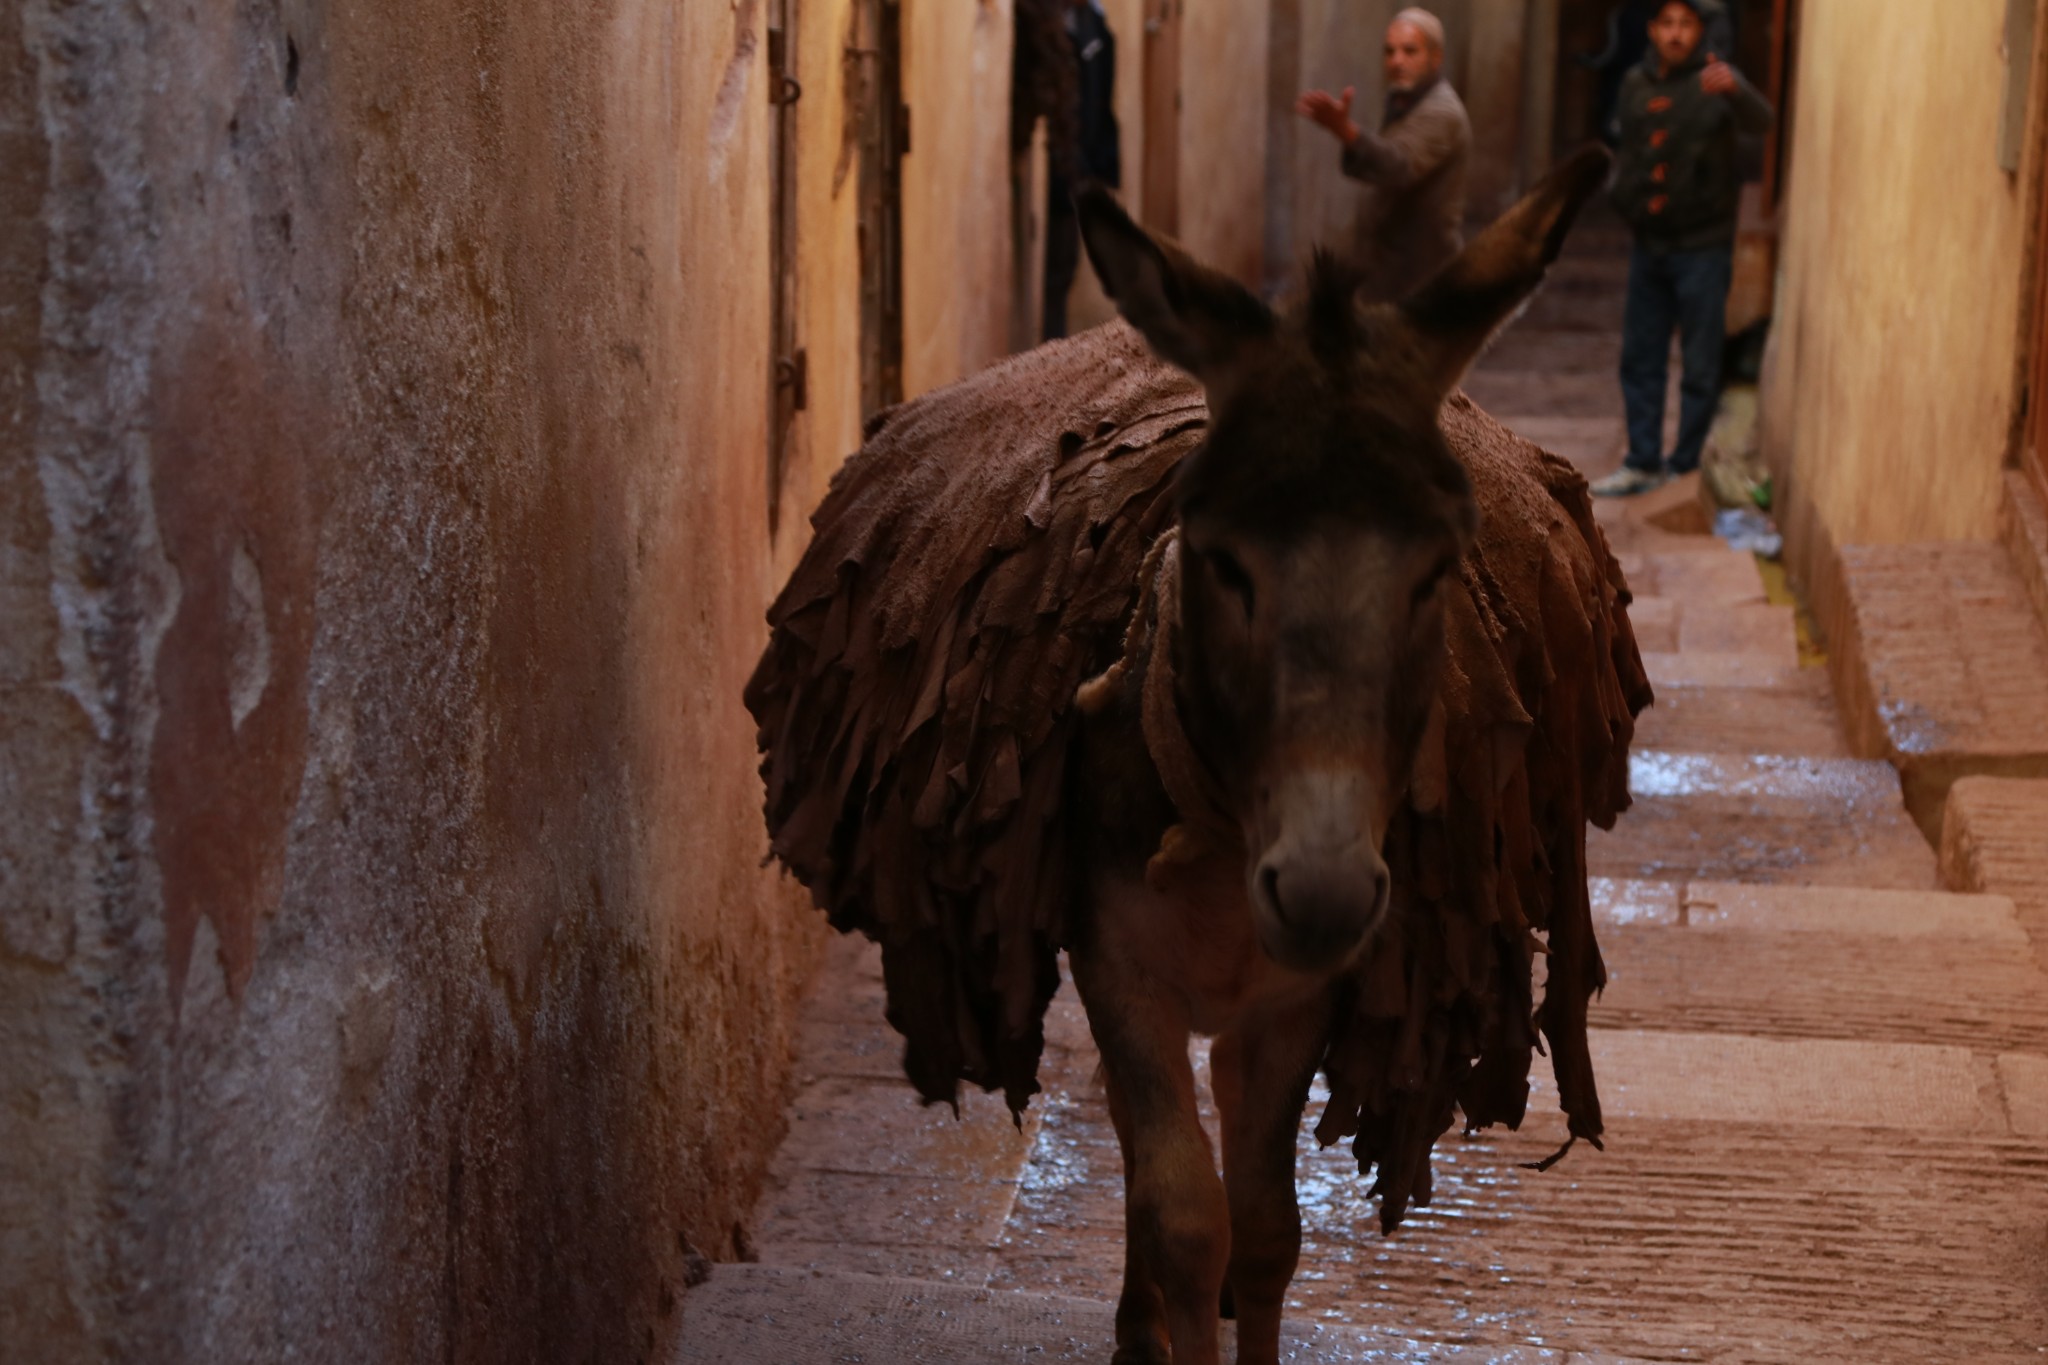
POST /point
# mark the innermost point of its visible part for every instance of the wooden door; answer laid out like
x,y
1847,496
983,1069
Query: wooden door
x,y
1779,89
883,136
2034,445
1160,206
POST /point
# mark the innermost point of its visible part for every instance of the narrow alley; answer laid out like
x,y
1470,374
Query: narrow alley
x,y
1826,1077
414,415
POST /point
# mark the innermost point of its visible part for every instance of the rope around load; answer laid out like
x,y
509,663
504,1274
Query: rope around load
x,y
1206,824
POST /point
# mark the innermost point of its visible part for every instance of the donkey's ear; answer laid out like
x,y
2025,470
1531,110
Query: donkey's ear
x,y
1458,311
1199,319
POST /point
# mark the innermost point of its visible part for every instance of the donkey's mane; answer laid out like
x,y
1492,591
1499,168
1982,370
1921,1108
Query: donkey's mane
x,y
1329,315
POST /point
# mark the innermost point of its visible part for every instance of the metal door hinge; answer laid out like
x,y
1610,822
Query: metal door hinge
x,y
793,373
782,87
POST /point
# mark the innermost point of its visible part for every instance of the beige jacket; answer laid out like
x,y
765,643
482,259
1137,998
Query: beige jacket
x,y
1411,216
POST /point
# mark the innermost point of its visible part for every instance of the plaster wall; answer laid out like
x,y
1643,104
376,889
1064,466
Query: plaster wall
x,y
956,189
833,70
1492,83
386,968
1223,135
55,1115
1127,21
1283,87
1890,391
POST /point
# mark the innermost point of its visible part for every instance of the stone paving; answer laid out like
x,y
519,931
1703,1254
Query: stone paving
x,y
1826,1080
1946,678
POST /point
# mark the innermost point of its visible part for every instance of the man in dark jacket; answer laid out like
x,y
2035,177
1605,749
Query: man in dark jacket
x,y
1628,38
1096,156
1411,216
1677,184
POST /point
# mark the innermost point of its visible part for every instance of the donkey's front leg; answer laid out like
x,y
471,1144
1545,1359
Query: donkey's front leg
x,y
1261,1073
1176,1219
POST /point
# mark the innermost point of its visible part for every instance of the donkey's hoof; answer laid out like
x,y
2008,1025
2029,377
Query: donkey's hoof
x,y
1150,1353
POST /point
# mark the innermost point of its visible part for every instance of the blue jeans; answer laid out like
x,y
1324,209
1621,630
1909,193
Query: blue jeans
x,y
1685,291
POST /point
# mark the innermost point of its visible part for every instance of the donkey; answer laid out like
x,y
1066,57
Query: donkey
x,y
1318,522
1220,690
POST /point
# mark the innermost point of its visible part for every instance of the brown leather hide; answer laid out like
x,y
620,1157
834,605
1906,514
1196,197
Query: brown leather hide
x,y
979,558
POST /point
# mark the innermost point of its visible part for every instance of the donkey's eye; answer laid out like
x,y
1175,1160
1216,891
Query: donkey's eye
x,y
1231,575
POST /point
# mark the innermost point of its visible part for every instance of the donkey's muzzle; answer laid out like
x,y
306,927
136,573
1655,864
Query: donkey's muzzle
x,y
1320,889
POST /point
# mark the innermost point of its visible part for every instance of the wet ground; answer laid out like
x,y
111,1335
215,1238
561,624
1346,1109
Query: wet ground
x,y
1826,1081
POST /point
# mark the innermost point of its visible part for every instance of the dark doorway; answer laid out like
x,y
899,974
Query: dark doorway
x,y
2033,446
1781,45
884,137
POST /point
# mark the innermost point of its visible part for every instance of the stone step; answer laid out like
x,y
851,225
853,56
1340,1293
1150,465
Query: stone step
x,y
1696,568
2023,526
1721,719
1589,269
1546,393
1738,1078
1943,667
1672,625
1679,508
1593,444
1763,818
1629,536
1820,1184
1590,307
772,1315
1994,838
1764,672
1819,962
1529,348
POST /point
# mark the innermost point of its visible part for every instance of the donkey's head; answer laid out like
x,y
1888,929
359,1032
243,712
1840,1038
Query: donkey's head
x,y
1319,521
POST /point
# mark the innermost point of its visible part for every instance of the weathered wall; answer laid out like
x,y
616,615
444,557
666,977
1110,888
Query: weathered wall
x,y
956,189
1223,135
1890,389
831,68
1283,86
386,970
1127,21
1543,28
54,1120
1495,42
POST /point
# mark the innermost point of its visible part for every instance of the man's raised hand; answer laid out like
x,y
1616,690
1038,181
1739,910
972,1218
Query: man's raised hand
x,y
1718,78
1331,111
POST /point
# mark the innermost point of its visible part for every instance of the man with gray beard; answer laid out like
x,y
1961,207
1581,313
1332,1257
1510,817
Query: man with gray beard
x,y
1411,216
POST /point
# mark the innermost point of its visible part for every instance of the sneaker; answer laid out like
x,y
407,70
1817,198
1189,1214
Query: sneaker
x,y
1628,481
